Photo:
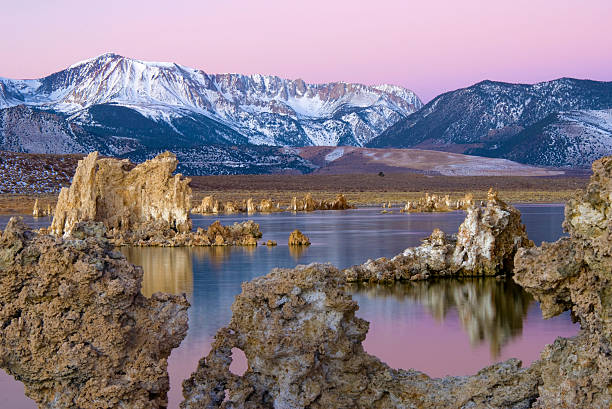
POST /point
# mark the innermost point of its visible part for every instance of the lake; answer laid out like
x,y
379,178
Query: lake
x,y
441,327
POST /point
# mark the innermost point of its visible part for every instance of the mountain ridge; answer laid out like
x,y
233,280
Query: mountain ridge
x,y
118,105
476,119
257,109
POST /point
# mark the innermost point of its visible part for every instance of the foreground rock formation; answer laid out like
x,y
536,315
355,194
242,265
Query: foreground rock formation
x,y
575,274
297,238
485,244
124,197
299,333
75,328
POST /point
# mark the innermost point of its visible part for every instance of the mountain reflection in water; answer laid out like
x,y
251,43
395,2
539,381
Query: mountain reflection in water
x,y
489,309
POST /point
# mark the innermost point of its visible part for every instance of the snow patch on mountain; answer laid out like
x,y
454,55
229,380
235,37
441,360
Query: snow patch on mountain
x,y
335,154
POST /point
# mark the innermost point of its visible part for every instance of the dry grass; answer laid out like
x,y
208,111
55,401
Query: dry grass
x,y
371,189
360,189
23,204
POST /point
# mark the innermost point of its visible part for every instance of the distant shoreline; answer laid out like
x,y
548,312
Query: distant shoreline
x,y
362,190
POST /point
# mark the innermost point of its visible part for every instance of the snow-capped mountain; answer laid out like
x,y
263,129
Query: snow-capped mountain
x,y
164,104
482,118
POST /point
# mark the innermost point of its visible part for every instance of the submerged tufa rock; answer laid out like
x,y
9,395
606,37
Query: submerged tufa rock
x,y
485,244
124,197
75,328
208,205
575,274
297,238
303,342
36,211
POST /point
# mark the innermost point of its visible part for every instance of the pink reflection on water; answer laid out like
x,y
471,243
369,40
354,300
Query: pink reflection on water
x,y
442,348
438,348
434,347
12,394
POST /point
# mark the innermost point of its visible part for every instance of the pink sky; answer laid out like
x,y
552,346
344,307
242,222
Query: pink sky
x,y
428,46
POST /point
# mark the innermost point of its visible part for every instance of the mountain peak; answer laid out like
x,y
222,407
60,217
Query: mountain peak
x,y
118,92
100,58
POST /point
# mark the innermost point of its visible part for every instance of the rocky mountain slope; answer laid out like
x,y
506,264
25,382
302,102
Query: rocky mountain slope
x,y
26,173
491,114
30,130
155,105
231,160
573,138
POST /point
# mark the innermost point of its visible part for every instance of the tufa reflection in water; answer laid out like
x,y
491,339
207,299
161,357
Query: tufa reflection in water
x,y
168,270
297,252
218,255
490,310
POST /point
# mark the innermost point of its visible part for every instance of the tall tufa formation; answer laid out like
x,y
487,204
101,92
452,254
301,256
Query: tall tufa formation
x,y
125,197
76,329
485,245
575,273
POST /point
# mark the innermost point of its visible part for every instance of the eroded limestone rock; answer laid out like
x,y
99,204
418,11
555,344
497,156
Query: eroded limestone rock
x,y
143,205
36,211
340,203
124,197
75,328
251,206
308,204
231,208
239,234
575,274
39,211
207,206
435,203
268,206
299,333
297,238
485,244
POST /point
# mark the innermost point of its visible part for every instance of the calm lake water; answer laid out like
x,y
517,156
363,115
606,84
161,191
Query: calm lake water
x,y
441,327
